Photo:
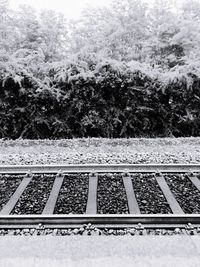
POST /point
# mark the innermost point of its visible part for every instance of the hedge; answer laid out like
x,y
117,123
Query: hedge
x,y
98,99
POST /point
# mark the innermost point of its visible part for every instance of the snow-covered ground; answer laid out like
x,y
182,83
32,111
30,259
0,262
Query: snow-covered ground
x,y
98,150
100,251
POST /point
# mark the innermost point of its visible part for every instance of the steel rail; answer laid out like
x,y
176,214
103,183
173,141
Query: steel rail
x,y
168,221
101,168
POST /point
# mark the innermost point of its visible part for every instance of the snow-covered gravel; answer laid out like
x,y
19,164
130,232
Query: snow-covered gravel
x,y
35,196
98,150
185,192
8,185
111,195
73,195
149,195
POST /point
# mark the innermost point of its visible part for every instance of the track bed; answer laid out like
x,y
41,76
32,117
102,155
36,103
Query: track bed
x,y
149,195
162,197
72,198
8,185
187,195
111,195
35,196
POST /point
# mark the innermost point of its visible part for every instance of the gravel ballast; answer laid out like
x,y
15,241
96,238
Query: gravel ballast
x,y
35,196
149,195
73,195
91,230
185,192
100,151
111,195
8,185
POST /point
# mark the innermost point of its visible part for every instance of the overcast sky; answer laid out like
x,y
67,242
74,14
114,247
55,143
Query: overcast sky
x,y
71,8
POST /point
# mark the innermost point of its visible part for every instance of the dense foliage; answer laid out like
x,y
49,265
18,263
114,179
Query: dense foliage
x,y
123,71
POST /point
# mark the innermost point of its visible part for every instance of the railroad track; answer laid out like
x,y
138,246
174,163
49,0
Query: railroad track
x,y
177,217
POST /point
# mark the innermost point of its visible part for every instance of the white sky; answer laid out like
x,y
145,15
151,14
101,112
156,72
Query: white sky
x,y
71,8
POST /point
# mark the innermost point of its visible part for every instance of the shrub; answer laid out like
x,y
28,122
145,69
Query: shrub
x,y
91,97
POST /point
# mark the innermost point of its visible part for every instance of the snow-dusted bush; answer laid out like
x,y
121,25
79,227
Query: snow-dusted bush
x,y
124,71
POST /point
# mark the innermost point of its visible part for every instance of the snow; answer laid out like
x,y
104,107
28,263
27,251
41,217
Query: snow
x,y
103,262
100,251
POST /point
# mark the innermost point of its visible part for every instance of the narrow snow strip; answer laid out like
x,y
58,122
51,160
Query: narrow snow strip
x,y
50,205
132,202
180,251
176,209
7,209
166,261
92,195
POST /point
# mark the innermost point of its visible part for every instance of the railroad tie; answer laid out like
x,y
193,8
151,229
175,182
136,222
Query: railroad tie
x,y
51,202
132,202
92,194
7,209
175,207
